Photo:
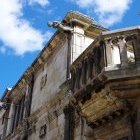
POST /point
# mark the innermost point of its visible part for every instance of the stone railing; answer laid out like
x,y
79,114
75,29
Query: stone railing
x,y
87,67
112,49
122,47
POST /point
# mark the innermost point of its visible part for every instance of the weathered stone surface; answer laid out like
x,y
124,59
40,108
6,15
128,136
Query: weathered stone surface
x,y
99,101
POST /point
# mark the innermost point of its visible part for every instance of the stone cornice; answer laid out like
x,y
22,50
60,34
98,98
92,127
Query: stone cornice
x,y
121,32
85,21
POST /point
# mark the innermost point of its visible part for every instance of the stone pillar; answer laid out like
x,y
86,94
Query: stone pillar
x,y
5,123
109,58
10,119
16,115
123,51
91,67
82,73
135,120
136,45
84,67
88,133
78,75
73,79
69,123
22,108
136,125
88,68
25,102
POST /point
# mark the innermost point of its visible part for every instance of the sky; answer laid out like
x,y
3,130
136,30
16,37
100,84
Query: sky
x,y
24,31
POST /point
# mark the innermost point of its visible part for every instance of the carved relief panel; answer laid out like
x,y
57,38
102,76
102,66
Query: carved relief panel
x,y
43,80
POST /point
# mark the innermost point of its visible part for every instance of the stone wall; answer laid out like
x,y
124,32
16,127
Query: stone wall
x,y
1,122
55,72
49,120
1,128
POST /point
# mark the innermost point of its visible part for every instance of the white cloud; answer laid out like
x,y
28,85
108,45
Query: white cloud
x,y
40,2
16,33
108,11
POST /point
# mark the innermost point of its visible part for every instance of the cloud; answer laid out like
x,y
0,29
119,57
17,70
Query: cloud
x,y
40,2
109,12
16,33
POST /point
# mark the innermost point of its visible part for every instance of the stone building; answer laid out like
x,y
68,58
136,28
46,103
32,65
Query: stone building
x,y
1,123
84,85
3,112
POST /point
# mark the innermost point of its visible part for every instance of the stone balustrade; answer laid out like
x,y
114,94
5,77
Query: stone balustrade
x,y
121,49
85,72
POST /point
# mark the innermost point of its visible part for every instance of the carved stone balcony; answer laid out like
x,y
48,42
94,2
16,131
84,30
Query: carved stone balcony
x,y
105,79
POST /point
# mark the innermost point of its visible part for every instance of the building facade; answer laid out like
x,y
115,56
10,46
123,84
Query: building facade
x,y
84,85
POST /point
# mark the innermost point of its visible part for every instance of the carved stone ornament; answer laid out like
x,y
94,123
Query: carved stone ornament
x,y
43,81
42,131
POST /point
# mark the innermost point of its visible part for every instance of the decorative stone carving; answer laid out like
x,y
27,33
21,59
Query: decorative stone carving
x,y
43,81
42,131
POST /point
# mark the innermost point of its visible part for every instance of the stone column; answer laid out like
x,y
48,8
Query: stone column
x,y
75,84
84,72
5,123
91,67
10,119
136,45
88,132
135,120
137,126
73,79
123,51
109,58
88,69
22,108
69,123
26,103
78,75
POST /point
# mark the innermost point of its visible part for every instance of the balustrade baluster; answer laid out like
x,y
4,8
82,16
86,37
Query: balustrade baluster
x,y
73,76
78,73
136,45
85,72
90,67
109,58
93,69
123,51
76,79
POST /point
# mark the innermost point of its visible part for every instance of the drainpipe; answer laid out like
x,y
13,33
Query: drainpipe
x,y
69,35
68,30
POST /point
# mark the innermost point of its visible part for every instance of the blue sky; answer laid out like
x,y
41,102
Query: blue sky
x,y
24,30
